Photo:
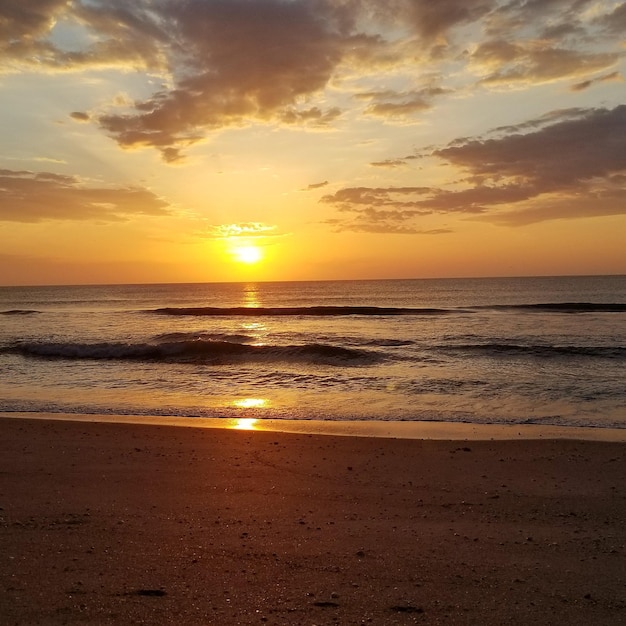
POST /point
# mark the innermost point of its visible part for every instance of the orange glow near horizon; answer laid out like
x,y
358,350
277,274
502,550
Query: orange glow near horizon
x,y
125,161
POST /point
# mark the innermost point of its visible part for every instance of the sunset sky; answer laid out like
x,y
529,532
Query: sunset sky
x,y
218,140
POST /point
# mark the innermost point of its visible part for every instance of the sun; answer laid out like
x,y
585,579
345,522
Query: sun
x,y
248,254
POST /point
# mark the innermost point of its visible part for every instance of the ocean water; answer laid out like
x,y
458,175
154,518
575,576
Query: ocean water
x,y
491,351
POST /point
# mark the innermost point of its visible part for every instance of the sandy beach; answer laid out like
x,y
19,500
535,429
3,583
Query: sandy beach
x,y
113,523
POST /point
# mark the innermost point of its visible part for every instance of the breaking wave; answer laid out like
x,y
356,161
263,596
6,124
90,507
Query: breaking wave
x,y
197,351
312,311
328,311
563,307
194,336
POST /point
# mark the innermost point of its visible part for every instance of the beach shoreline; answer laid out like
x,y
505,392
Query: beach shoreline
x,y
450,431
111,523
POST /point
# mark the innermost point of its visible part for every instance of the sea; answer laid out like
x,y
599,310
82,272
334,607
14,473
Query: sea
x,y
549,350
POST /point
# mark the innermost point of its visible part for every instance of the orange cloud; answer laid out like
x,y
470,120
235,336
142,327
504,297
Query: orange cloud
x,y
569,164
229,63
246,229
536,62
37,196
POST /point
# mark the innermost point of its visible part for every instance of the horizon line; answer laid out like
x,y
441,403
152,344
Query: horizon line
x,y
307,280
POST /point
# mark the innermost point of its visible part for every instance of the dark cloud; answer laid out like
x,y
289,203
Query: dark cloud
x,y
552,117
24,27
36,196
79,116
317,185
391,210
587,201
347,198
585,84
121,36
313,116
242,60
615,22
233,61
570,169
591,145
533,62
396,104
536,41
568,164
390,163
229,63
24,20
515,15
434,19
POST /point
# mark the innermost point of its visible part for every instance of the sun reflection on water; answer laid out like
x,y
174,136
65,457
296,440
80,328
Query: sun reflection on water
x,y
245,423
251,296
250,403
248,423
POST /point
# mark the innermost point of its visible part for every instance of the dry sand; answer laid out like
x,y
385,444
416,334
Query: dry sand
x,y
105,523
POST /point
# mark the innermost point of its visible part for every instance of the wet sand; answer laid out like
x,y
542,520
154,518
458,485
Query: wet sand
x,y
117,523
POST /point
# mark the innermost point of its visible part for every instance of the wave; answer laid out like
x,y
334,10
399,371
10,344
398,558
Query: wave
x,y
327,311
197,351
19,312
316,311
389,343
191,336
539,351
562,307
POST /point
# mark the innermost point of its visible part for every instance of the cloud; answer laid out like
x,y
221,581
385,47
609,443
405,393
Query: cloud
x,y
433,20
585,84
390,163
569,169
231,63
391,210
241,61
374,196
552,117
243,229
615,21
567,164
392,104
386,227
314,116
590,145
316,185
79,116
539,41
27,196
588,201
559,16
234,62
28,20
382,224
114,36
505,63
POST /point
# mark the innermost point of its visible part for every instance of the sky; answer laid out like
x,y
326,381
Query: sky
x,y
246,140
